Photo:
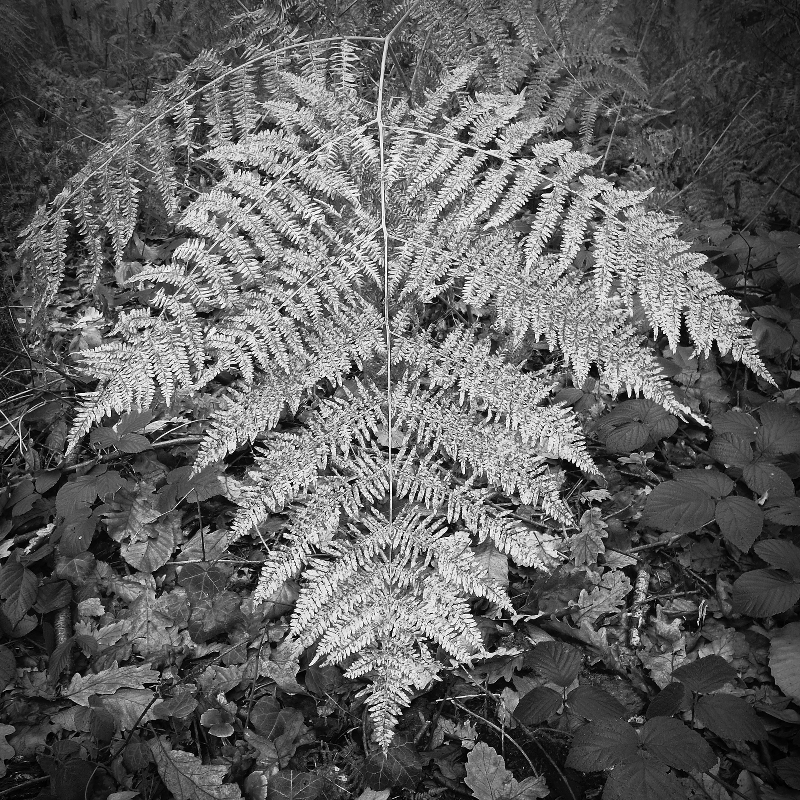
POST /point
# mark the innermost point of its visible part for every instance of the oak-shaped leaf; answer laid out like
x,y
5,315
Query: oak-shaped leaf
x,y
643,779
556,662
291,784
108,681
705,674
730,717
740,521
537,705
784,659
679,507
593,703
764,592
670,700
602,745
187,778
780,554
669,740
489,779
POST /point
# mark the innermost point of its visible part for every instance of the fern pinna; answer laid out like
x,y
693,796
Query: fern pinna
x,y
314,229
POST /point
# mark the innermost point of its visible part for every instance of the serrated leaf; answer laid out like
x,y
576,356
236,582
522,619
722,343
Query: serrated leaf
x,y
107,681
780,554
706,674
132,443
731,449
76,496
628,437
602,745
556,662
593,703
740,521
642,779
537,705
783,510
672,742
788,770
739,423
710,481
187,778
670,700
730,717
780,430
18,588
678,507
8,666
489,779
763,477
784,659
764,592
290,784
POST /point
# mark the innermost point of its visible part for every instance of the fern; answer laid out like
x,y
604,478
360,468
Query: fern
x,y
296,290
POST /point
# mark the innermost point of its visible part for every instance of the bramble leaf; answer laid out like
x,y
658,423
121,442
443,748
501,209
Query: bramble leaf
x,y
705,674
730,717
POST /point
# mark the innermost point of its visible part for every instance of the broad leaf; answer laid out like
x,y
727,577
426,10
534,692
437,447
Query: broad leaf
x,y
784,660
537,705
678,506
670,700
730,717
711,481
642,779
764,592
187,778
706,674
788,770
739,423
556,662
593,703
602,745
18,588
290,784
400,766
671,741
730,449
8,666
780,554
780,430
763,477
740,521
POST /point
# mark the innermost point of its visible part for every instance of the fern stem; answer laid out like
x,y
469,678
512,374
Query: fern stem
x,y
385,233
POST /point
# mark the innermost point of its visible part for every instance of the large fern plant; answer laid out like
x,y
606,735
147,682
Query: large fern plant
x,y
315,224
